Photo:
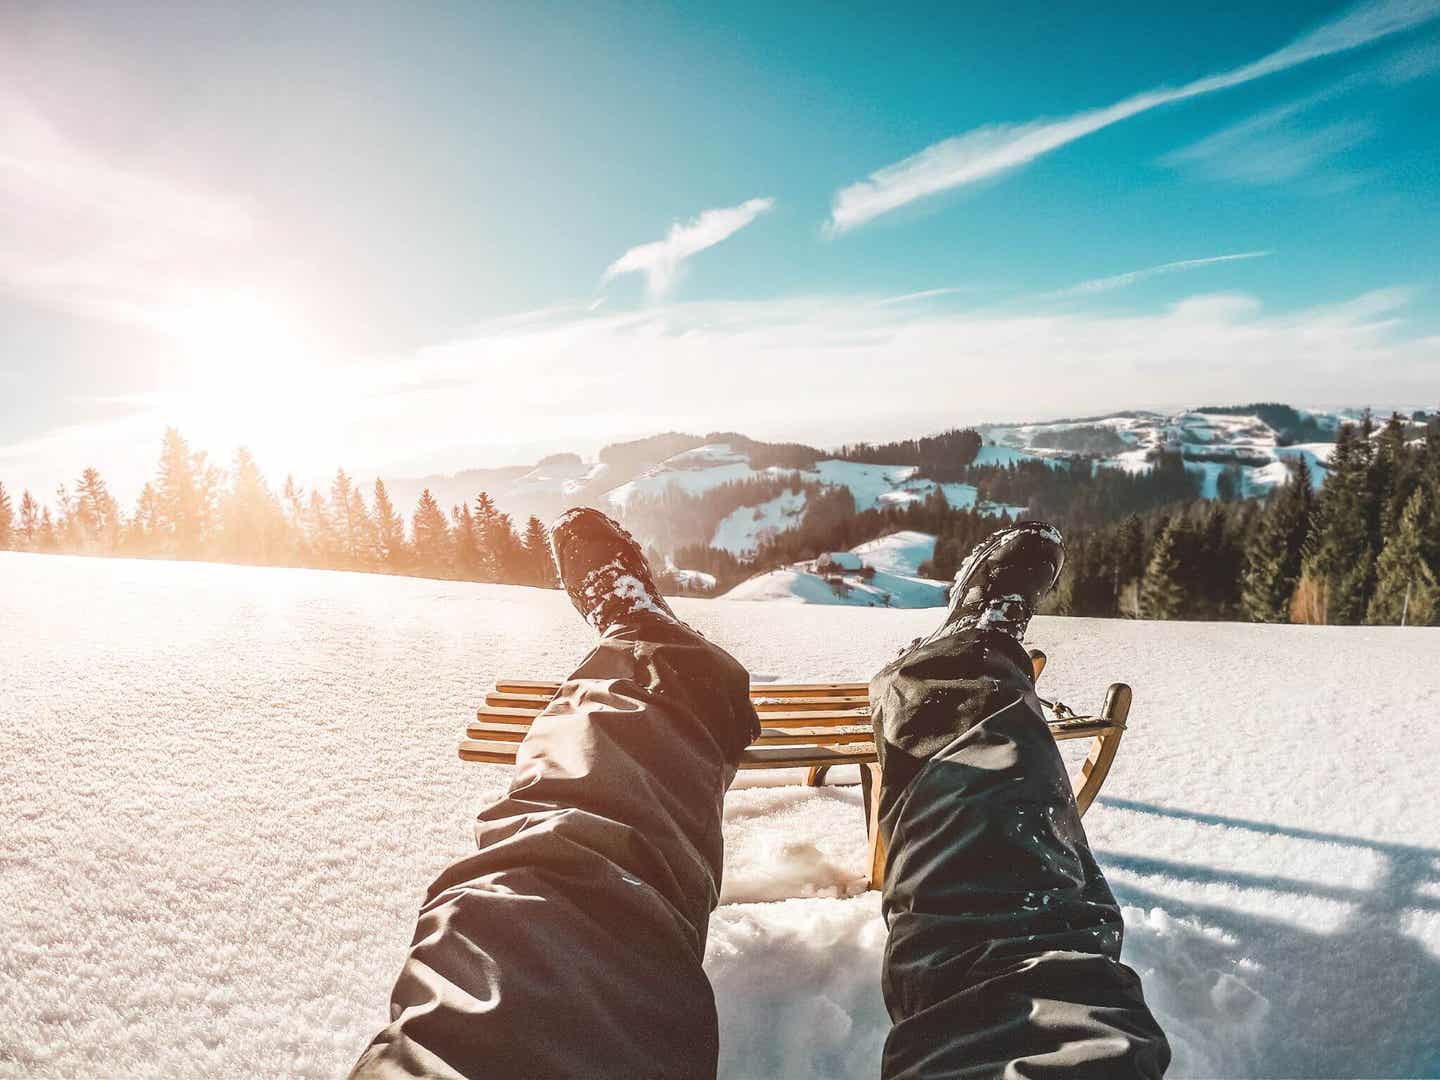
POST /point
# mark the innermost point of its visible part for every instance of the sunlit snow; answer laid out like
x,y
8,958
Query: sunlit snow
x,y
227,788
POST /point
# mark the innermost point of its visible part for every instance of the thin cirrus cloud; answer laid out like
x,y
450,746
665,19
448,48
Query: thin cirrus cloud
x,y
1121,281
660,261
1268,149
987,151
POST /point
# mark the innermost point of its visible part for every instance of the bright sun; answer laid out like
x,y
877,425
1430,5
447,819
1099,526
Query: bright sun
x,y
236,335
252,376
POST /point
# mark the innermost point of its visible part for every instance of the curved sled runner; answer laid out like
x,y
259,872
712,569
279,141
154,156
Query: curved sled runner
x,y
814,726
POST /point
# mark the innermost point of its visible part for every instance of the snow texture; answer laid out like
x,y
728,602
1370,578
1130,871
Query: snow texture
x,y
741,531
899,553
227,788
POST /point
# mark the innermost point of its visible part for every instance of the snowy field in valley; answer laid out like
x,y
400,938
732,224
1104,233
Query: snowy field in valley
x,y
227,788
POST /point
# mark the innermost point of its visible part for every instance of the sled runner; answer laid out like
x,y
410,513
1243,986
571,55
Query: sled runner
x,y
814,726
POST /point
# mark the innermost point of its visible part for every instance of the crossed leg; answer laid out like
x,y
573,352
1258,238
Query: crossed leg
x,y
570,945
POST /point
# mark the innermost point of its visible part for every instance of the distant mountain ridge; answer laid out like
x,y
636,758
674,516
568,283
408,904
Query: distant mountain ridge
x,y
1239,451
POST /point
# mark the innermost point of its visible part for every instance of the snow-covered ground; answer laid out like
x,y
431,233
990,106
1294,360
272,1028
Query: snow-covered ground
x,y
741,531
225,790
892,579
899,553
801,583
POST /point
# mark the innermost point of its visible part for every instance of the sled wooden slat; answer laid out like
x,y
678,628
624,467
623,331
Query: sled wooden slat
x,y
757,757
857,715
760,690
814,736
814,726
537,702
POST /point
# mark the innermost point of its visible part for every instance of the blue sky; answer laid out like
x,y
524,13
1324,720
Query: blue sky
x,y
461,236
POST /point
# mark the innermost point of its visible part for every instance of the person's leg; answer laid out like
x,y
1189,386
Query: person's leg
x,y
571,944
1004,939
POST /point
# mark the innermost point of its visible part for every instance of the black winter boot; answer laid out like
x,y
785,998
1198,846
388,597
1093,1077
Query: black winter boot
x,y
604,571
1001,582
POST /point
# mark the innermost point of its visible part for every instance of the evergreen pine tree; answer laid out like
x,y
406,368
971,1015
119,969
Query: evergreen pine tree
x,y
1387,486
340,514
140,536
389,529
466,543
1428,479
7,520
29,521
506,552
1406,592
96,513
292,503
364,537
47,540
1163,593
432,536
249,530
487,538
179,517
66,529
1340,558
324,539
1129,560
1274,554
536,544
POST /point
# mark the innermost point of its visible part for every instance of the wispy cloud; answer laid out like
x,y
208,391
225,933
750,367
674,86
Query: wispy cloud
x,y
924,294
1416,62
660,260
88,235
1120,281
874,358
1268,148
991,150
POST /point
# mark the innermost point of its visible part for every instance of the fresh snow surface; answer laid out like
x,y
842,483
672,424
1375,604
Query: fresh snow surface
x,y
801,583
895,560
693,579
227,788
898,553
741,531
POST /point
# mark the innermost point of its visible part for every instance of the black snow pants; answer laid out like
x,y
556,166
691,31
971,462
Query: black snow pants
x,y
571,944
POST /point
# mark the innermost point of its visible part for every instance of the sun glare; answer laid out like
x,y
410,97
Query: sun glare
x,y
232,334
252,376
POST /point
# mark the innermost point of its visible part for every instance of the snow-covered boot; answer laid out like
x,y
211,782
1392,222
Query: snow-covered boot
x,y
604,571
1003,579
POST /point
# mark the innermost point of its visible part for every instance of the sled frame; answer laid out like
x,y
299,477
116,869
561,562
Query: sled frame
x,y
814,726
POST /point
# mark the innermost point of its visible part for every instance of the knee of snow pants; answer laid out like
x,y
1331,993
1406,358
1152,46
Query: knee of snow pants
x,y
1004,939
570,945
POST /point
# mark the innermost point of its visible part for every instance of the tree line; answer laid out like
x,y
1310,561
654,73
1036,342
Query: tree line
x,y
1363,549
193,509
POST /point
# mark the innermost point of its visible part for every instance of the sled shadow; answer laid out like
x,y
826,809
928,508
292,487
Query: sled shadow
x,y
1358,999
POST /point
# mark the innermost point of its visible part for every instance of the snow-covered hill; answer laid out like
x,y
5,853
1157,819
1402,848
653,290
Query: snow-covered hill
x,y
888,576
1209,442
226,789
1252,448
707,467
899,553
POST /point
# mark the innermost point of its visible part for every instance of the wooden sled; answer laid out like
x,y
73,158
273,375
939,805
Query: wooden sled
x,y
812,726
